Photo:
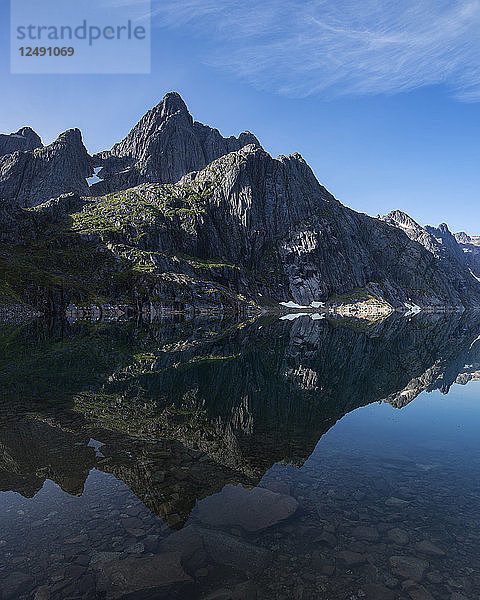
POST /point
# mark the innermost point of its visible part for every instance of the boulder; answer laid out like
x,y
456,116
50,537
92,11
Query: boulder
x,y
253,510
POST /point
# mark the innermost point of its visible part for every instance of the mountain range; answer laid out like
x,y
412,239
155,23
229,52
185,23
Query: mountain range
x,y
177,217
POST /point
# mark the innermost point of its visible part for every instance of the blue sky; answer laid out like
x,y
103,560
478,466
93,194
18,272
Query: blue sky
x,y
381,98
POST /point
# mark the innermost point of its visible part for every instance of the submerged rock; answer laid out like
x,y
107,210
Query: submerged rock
x,y
253,510
231,551
15,585
350,558
398,536
409,567
427,547
157,576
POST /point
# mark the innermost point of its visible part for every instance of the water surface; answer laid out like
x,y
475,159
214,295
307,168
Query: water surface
x,y
267,459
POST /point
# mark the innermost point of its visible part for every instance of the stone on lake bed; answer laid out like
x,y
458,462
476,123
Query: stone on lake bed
x,y
230,551
326,539
16,584
100,559
409,567
42,593
350,558
362,532
160,576
132,523
397,502
136,532
398,536
416,591
187,541
375,591
427,547
79,539
253,510
223,549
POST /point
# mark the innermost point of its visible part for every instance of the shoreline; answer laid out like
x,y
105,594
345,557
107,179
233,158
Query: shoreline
x,y
18,313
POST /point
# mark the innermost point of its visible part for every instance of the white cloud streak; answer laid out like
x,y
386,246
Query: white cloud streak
x,y
337,47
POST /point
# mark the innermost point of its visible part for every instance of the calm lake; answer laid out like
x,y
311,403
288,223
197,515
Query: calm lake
x,y
267,459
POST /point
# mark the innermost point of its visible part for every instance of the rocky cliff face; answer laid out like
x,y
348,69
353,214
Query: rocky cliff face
x,y
273,233
470,246
28,178
22,140
162,147
220,224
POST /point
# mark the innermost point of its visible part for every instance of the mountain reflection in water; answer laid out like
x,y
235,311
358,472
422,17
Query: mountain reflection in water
x,y
148,430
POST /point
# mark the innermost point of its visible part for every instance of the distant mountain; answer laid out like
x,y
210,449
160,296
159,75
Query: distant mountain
x,y
463,238
215,224
470,246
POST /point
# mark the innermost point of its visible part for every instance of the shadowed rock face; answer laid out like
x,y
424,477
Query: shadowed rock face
x,y
32,177
162,147
161,400
22,140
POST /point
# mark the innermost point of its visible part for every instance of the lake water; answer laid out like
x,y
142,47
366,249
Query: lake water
x,y
269,459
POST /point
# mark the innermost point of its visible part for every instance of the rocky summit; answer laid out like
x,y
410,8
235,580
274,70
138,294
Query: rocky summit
x,y
31,177
21,140
162,147
185,219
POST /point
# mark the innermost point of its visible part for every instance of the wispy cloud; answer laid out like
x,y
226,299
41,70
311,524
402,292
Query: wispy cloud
x,y
337,47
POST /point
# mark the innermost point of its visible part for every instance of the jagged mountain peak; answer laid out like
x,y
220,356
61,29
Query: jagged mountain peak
x,y
463,238
171,103
259,227
401,219
29,134
443,227
73,136
22,140
30,178
162,147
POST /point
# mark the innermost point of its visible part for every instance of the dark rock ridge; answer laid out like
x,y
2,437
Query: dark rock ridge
x,y
31,177
162,147
22,140
214,224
